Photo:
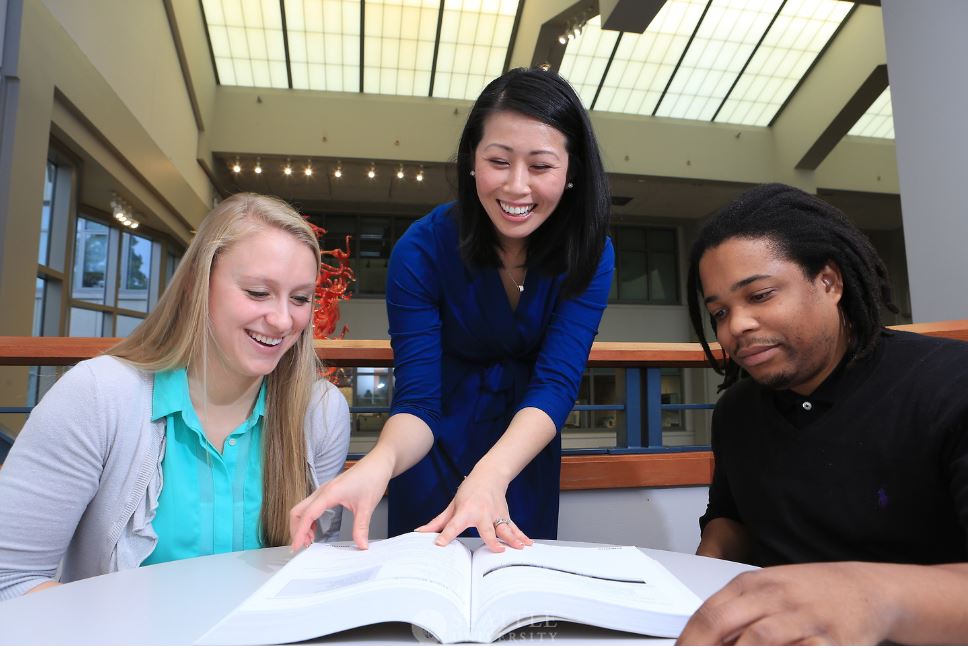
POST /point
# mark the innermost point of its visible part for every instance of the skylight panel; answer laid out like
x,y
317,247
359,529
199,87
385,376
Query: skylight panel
x,y
723,44
800,32
474,40
878,121
247,42
586,58
399,46
643,63
324,44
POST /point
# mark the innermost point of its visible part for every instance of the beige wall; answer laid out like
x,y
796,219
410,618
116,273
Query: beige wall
x,y
95,92
130,45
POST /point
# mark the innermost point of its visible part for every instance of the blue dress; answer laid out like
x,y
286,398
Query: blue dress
x,y
465,363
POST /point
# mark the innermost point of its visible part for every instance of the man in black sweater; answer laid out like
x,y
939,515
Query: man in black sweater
x,y
841,448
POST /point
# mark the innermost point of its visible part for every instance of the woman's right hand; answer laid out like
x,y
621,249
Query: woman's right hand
x,y
359,489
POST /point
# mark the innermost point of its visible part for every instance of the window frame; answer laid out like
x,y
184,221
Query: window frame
x,y
617,230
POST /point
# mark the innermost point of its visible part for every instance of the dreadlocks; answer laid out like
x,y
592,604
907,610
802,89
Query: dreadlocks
x,y
810,233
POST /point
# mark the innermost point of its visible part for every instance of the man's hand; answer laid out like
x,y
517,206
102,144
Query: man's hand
x,y
833,603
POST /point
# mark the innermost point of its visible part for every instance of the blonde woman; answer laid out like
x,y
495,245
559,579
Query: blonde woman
x,y
196,434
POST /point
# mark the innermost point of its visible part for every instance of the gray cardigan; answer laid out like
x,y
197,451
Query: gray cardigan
x,y
80,486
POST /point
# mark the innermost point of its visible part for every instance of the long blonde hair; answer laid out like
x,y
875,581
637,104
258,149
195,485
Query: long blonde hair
x,y
177,332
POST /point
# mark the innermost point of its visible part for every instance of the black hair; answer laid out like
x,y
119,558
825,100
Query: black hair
x,y
571,240
811,233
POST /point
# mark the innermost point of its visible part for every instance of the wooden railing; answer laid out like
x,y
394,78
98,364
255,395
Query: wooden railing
x,y
579,472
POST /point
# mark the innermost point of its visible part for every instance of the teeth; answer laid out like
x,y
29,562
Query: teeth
x,y
268,341
515,211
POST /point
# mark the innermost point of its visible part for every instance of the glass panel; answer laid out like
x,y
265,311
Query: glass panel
x,y
87,323
126,325
644,62
663,286
374,252
324,44
247,42
172,265
632,264
372,388
674,428
586,57
662,240
43,256
90,261
597,428
398,35
474,40
135,272
367,387
723,42
878,121
671,386
40,291
801,30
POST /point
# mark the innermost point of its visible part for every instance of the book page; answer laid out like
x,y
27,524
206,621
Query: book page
x,y
606,586
329,588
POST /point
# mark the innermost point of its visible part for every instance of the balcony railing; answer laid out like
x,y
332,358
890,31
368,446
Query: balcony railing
x,y
640,460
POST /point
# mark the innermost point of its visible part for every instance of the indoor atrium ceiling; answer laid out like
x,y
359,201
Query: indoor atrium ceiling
x,y
722,61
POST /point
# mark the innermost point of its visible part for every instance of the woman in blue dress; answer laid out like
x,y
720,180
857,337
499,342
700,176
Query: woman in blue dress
x,y
493,302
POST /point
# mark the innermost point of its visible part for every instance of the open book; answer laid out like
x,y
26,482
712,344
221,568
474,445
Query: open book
x,y
457,595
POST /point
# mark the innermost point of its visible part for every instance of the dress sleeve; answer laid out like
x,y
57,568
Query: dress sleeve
x,y
49,478
413,314
567,341
329,419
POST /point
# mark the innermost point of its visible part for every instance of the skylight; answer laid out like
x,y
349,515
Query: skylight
x,y
801,30
878,121
474,40
247,42
734,61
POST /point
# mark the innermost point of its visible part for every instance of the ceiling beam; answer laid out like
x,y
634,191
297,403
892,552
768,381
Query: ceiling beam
x,y
843,121
802,130
628,15
547,50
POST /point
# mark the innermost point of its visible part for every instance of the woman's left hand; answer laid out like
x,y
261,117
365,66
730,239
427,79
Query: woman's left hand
x,y
480,503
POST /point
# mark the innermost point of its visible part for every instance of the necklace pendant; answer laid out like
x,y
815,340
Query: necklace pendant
x,y
520,288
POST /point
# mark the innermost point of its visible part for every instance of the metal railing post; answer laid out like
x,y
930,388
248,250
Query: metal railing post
x,y
653,406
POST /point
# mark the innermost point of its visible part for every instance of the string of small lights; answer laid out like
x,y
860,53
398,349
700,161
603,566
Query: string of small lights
x,y
373,170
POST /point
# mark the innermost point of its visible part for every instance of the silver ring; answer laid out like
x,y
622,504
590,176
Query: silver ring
x,y
500,520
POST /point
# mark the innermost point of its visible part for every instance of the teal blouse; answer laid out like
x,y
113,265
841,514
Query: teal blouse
x,y
210,501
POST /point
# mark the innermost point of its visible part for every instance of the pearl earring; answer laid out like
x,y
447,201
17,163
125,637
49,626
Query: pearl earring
x,y
472,172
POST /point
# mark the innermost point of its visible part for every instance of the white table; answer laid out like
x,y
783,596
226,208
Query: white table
x,y
176,602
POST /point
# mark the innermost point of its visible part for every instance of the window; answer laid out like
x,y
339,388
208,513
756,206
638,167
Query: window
x,y
646,266
50,178
600,427
371,240
52,264
136,272
115,278
369,392
171,264
91,252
